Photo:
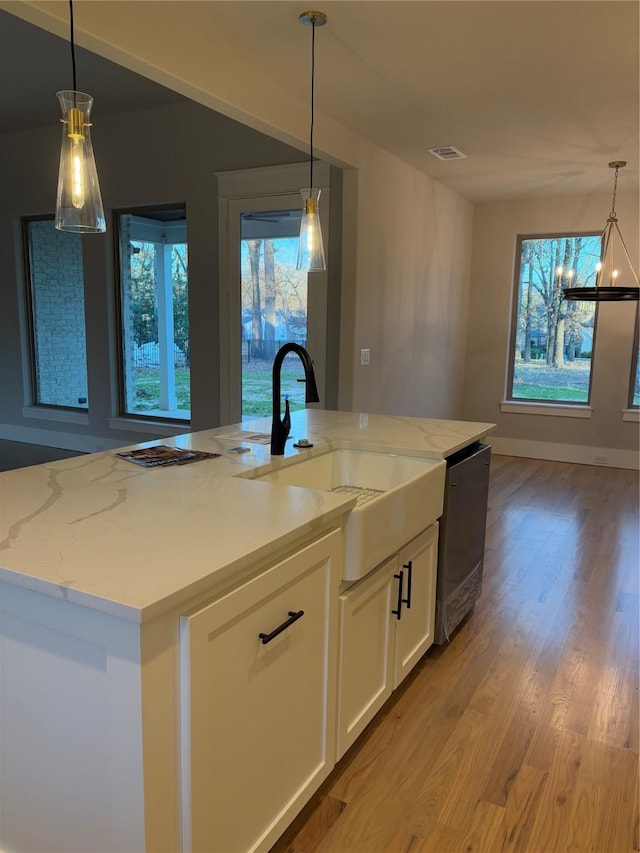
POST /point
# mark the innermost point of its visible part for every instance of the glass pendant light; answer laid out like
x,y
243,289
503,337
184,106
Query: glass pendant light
x,y
608,274
78,203
310,247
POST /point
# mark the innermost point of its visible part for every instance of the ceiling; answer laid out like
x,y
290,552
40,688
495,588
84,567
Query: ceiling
x,y
34,65
538,94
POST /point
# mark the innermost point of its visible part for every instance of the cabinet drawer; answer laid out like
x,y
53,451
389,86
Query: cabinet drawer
x,y
258,736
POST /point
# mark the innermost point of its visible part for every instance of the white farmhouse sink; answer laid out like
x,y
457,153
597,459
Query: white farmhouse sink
x,y
398,496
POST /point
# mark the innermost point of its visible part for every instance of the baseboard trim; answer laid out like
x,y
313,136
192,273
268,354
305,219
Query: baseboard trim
x,y
605,457
62,440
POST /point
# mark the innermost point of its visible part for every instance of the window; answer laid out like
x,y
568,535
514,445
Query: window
x,y
154,312
634,390
552,339
274,307
259,210
56,310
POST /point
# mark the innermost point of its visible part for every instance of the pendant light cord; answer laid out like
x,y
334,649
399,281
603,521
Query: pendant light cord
x,y
73,46
313,78
612,215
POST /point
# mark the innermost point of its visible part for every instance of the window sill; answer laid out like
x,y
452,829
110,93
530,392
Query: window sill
x,y
558,410
50,414
149,426
631,415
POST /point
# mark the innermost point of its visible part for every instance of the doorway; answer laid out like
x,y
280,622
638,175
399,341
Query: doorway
x,y
274,306
265,300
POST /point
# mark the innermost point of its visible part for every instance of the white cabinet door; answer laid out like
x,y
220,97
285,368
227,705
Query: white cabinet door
x,y
414,631
258,702
366,661
386,625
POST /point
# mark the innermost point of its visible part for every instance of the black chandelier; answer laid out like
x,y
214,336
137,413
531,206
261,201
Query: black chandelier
x,y
607,288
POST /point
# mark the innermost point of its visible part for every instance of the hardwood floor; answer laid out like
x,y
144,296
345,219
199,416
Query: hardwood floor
x,y
522,733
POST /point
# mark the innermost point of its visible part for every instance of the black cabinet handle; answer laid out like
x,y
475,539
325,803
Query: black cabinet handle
x,y
400,577
293,617
409,567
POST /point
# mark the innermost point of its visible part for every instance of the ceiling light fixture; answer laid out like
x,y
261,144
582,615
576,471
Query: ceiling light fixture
x,y
606,287
310,248
78,203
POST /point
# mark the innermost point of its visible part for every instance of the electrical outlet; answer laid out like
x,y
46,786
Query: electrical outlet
x,y
365,356
601,460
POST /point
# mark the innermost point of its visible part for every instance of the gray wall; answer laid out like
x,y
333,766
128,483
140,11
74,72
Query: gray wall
x,y
495,229
146,158
413,253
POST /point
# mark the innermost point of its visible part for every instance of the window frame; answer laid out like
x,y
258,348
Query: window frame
x,y
540,403
123,414
635,360
34,402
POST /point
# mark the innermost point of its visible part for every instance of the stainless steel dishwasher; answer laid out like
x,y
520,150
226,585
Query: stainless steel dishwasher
x,y
462,535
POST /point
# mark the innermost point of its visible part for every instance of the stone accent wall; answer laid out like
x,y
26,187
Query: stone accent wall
x,y
59,321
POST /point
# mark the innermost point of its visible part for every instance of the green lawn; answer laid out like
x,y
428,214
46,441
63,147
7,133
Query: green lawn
x,y
537,381
558,394
534,381
148,388
256,388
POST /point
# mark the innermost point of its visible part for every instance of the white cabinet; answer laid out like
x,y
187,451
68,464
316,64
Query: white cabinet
x,y
258,672
417,604
386,625
366,651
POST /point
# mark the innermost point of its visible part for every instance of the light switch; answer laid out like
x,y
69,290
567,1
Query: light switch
x,y
365,356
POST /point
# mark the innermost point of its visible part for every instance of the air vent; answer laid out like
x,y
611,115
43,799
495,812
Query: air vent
x,y
448,152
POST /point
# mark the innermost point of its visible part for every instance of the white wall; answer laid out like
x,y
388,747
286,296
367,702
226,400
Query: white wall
x,y
495,229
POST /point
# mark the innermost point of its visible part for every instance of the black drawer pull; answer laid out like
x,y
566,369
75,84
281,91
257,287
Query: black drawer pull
x,y
293,617
397,613
409,567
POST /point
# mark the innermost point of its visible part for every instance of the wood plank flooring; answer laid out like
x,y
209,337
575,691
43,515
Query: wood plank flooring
x,y
522,733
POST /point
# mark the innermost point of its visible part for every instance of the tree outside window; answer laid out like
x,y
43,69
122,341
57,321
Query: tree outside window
x,y
274,311
553,339
154,302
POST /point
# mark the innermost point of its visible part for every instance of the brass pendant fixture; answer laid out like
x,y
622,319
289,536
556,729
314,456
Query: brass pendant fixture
x,y
78,203
310,246
608,274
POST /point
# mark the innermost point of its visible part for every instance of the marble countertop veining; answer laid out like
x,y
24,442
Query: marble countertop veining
x,y
130,541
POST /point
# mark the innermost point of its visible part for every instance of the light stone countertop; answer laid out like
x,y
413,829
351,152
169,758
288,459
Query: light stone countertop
x,y
132,542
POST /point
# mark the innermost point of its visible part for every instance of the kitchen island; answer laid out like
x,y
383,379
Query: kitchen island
x,y
125,664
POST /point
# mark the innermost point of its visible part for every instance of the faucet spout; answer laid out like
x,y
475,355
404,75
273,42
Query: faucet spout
x,y
280,426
